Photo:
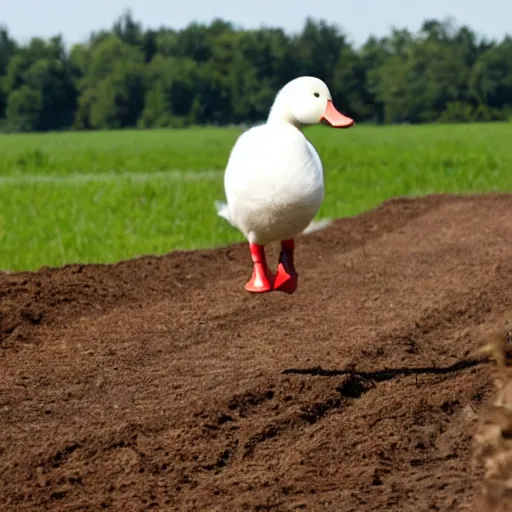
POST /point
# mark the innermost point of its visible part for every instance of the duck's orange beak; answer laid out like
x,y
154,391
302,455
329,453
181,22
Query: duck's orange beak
x,y
334,118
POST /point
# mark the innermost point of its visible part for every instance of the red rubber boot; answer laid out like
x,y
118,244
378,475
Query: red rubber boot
x,y
262,279
286,278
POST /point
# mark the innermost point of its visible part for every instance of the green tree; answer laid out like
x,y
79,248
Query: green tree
x,y
7,50
119,98
170,92
112,91
24,108
52,79
216,73
491,76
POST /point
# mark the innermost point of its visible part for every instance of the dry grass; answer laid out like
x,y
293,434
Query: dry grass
x,y
493,439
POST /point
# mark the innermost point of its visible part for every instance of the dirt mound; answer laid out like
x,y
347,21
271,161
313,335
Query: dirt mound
x,y
160,384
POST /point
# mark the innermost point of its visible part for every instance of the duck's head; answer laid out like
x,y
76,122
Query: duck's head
x,y
305,101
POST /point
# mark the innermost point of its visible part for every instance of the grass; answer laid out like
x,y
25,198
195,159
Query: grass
x,y
106,196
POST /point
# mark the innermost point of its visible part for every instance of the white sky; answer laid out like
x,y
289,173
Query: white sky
x,y
357,18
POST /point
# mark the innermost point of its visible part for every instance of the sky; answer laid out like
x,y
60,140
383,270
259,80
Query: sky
x,y
358,19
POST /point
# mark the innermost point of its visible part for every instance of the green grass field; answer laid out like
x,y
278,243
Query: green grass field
x,y
107,196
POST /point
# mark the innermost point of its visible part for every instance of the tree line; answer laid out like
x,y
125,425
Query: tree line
x,y
219,74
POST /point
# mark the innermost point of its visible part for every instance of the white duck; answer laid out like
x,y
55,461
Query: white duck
x,y
274,181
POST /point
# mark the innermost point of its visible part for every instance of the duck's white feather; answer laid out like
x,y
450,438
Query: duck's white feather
x,y
273,182
313,226
222,210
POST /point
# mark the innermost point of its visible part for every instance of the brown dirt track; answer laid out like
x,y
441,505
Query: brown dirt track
x,y
160,384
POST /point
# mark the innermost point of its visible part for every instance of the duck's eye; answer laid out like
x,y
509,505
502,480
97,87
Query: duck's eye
x,y
317,95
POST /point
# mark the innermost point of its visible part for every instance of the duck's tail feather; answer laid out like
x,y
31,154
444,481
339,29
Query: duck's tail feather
x,y
316,225
222,210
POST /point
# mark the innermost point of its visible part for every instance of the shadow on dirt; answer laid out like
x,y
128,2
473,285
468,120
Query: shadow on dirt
x,y
389,373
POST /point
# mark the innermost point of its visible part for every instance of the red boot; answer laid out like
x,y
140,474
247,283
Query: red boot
x,y
286,279
262,279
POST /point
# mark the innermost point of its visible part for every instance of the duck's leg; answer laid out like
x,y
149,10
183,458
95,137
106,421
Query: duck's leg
x,y
262,279
286,278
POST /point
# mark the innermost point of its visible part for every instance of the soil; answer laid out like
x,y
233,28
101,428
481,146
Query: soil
x,y
160,384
